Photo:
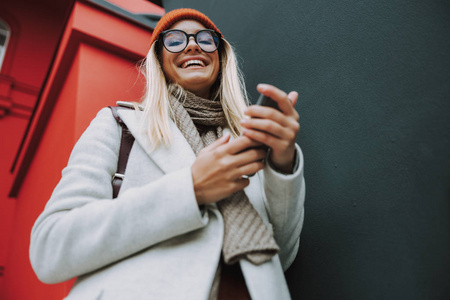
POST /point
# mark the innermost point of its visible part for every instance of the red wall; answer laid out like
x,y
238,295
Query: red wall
x,y
95,67
28,55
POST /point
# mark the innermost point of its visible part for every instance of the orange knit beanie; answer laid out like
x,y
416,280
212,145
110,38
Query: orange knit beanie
x,y
181,14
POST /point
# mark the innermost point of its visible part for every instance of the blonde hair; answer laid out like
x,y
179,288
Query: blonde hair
x,y
231,92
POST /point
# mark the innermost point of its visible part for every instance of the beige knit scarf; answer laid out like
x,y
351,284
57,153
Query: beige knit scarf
x,y
246,236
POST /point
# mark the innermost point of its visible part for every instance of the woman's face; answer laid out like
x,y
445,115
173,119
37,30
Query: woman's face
x,y
196,77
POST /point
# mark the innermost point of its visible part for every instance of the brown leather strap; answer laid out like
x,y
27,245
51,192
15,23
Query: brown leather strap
x,y
232,283
126,143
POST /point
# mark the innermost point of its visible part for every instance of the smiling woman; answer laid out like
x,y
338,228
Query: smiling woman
x,y
188,221
192,68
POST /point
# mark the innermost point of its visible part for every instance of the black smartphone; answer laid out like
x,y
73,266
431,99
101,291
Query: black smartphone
x,y
267,101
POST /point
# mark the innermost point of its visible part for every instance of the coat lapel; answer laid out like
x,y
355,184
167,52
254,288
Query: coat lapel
x,y
171,158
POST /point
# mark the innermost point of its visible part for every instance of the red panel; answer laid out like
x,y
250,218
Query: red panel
x,y
29,52
31,47
96,69
139,6
110,29
104,79
94,27
10,135
44,173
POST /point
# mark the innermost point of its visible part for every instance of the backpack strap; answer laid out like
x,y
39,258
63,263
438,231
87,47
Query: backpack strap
x,y
126,143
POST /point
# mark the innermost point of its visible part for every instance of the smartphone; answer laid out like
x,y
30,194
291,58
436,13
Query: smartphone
x,y
267,101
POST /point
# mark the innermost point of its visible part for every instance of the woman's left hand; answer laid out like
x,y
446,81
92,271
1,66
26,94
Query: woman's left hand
x,y
275,129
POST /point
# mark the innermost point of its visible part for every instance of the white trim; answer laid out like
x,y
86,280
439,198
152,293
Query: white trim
x,y
6,32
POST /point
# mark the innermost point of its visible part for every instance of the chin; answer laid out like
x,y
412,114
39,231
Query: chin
x,y
196,84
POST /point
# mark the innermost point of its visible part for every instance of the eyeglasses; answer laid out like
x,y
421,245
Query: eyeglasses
x,y
175,40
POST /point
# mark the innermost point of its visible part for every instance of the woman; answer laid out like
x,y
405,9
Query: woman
x,y
188,222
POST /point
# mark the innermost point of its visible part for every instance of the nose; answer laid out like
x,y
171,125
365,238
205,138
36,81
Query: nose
x,y
192,44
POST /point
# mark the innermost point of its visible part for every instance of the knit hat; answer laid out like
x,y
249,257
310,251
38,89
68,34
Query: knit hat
x,y
181,14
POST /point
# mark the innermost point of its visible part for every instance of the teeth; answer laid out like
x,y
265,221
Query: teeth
x,y
193,62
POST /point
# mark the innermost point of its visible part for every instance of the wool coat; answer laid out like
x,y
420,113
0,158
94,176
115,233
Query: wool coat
x,y
153,241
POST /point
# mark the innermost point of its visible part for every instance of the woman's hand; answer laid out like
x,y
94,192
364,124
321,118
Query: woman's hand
x,y
217,172
278,130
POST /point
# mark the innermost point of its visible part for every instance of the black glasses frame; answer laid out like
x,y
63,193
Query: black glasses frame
x,y
188,36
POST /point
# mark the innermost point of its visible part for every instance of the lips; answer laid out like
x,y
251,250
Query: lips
x,y
191,63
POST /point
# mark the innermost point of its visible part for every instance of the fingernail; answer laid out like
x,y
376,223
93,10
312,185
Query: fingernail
x,y
262,86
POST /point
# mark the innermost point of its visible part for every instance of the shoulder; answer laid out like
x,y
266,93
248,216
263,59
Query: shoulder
x,y
103,121
110,114
106,126
102,131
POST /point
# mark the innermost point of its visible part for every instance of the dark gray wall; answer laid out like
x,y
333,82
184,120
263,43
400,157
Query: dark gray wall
x,y
374,84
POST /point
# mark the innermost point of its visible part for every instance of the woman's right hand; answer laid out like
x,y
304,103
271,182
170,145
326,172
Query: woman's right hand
x,y
217,172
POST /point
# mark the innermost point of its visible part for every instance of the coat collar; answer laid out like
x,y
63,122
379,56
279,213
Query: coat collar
x,y
171,158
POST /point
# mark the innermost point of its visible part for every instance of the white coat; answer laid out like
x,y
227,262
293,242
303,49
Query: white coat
x,y
152,241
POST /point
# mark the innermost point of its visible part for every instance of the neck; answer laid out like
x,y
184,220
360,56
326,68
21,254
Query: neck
x,y
202,94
